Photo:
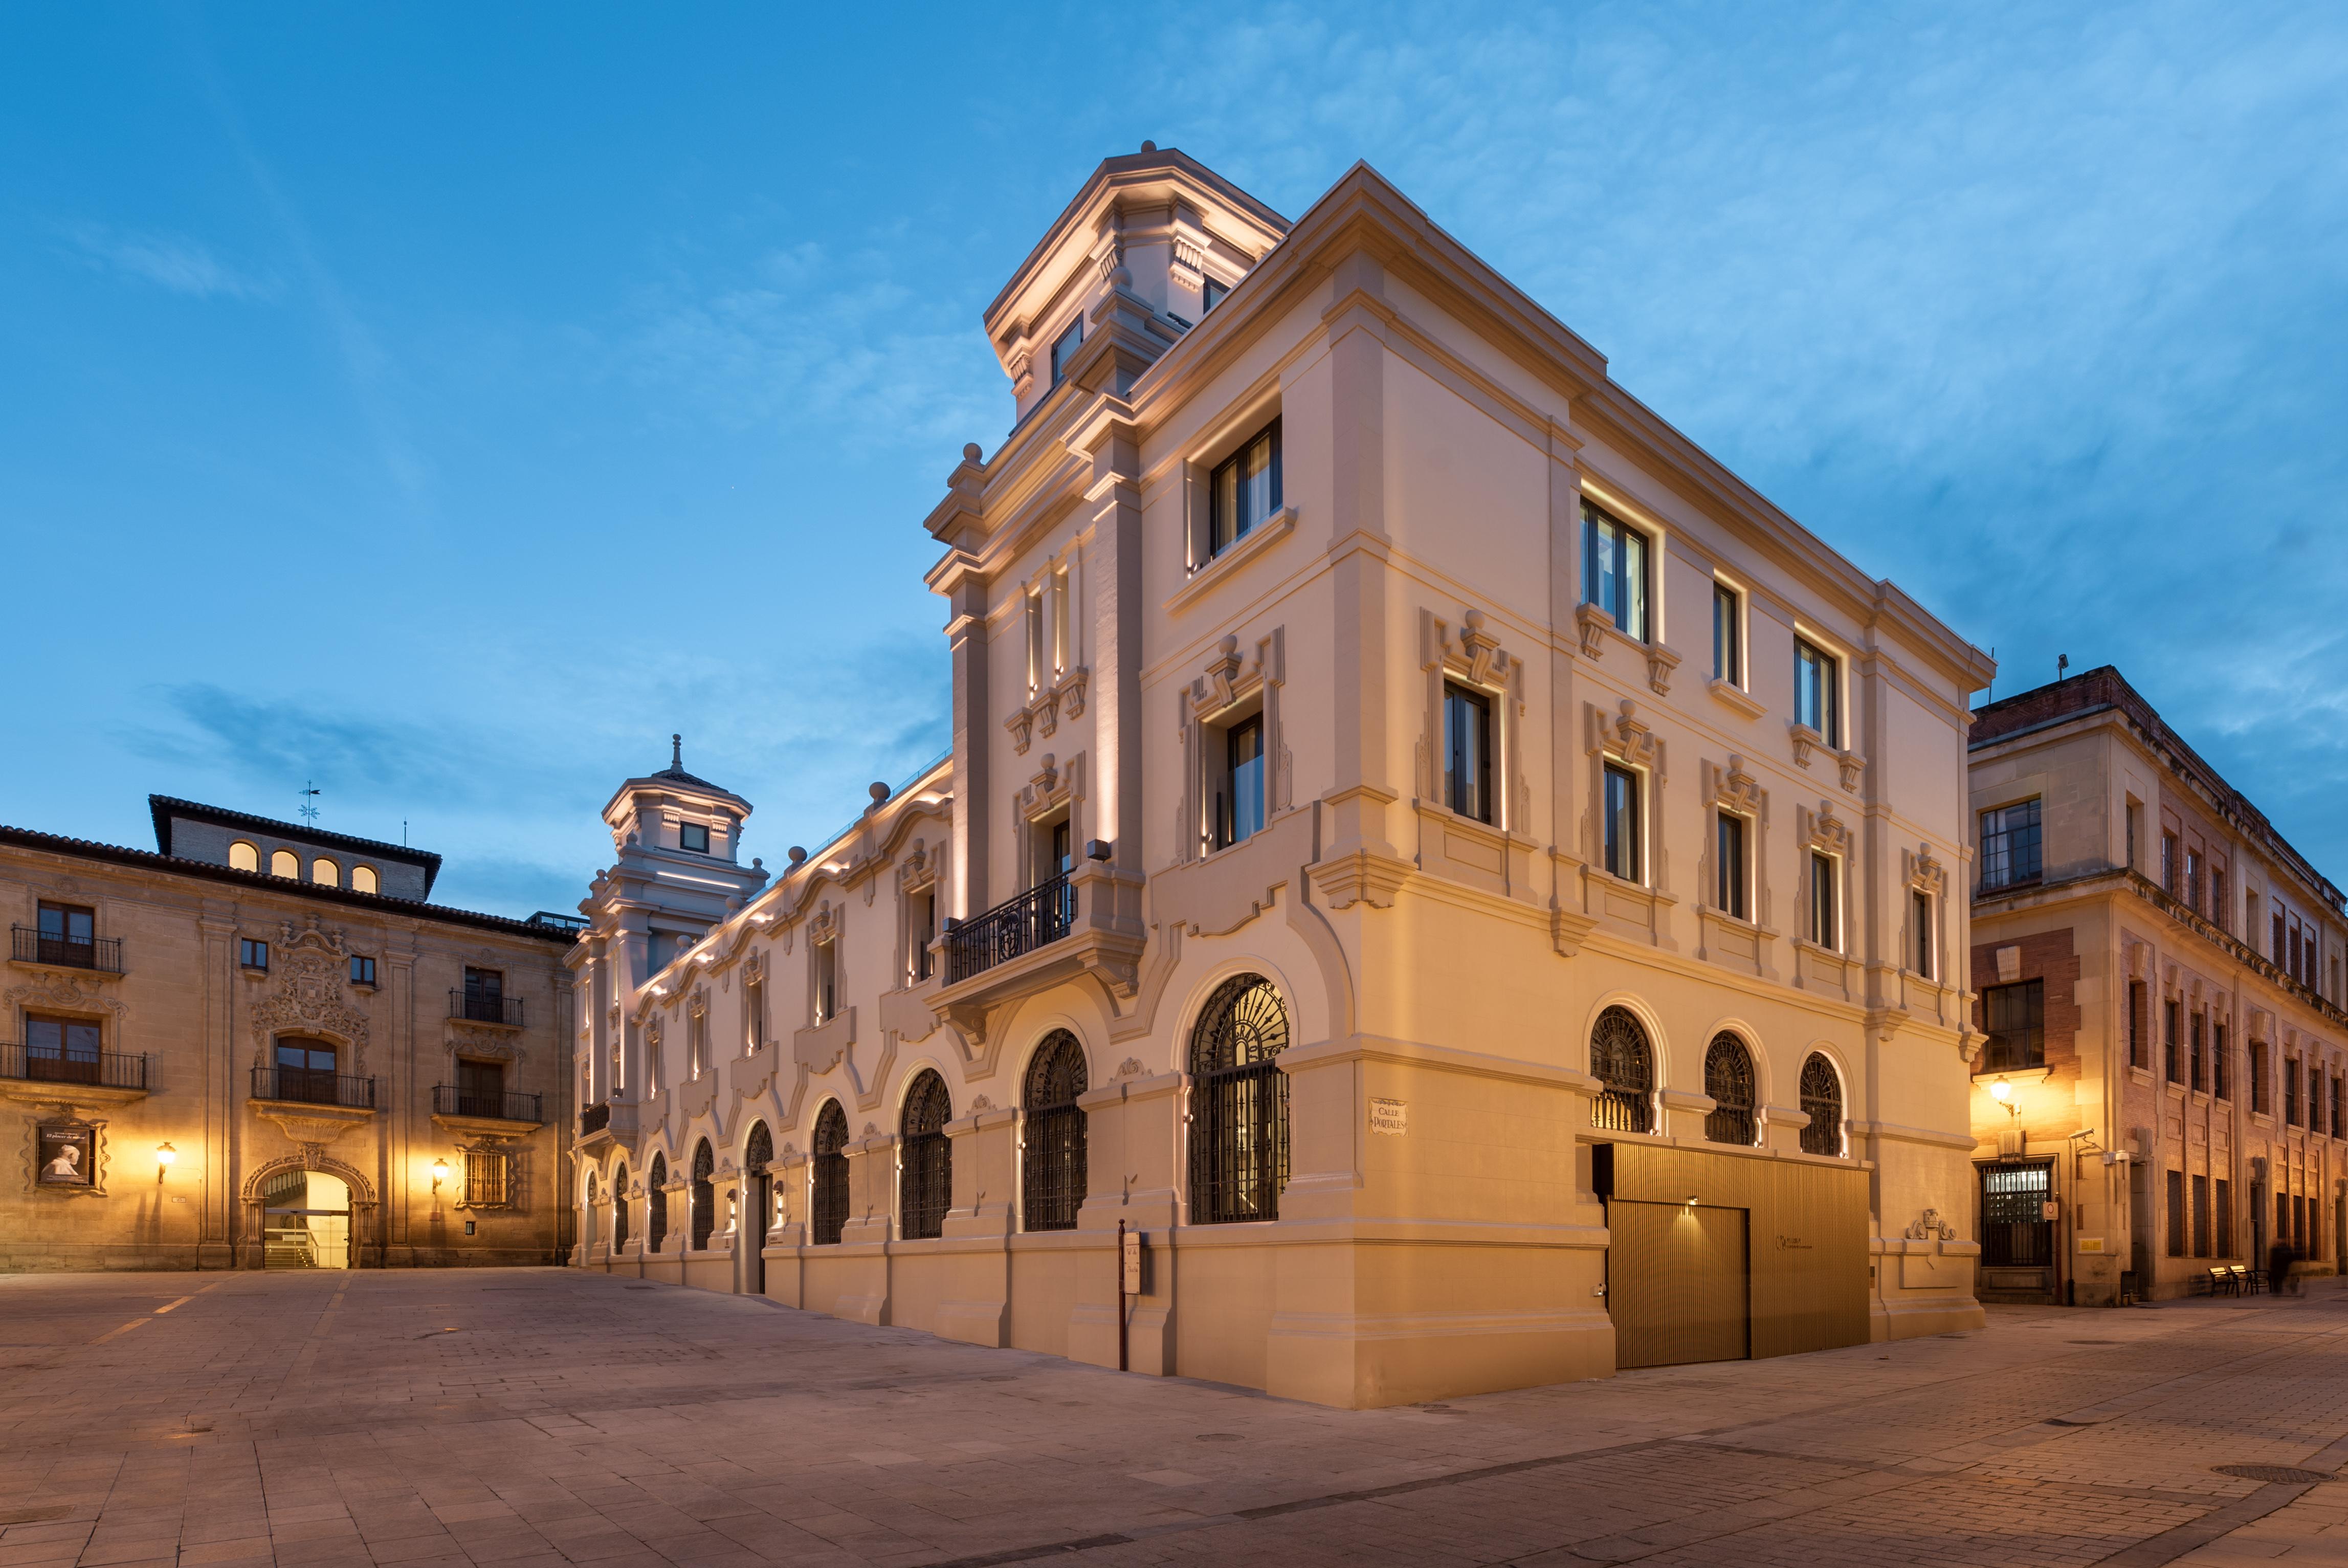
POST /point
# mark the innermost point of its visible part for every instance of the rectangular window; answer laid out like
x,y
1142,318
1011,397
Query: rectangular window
x,y
2339,1103
2009,845
252,955
69,934
2261,1095
1822,900
2278,932
480,1088
2138,1055
1064,349
1211,292
2221,1067
1623,857
1818,691
61,1050
2199,1062
2168,864
1729,851
362,969
485,1181
1239,795
826,981
693,838
754,1016
2176,1195
2135,823
1919,912
2226,1246
2291,1091
2201,1216
1059,628
2015,1018
2172,1055
1243,490
1033,605
1727,635
923,922
2218,913
2193,880
1467,751
1614,571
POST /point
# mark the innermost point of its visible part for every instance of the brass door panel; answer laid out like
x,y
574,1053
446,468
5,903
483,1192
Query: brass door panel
x,y
1677,1283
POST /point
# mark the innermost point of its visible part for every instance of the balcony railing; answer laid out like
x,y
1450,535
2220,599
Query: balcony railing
x,y
451,1100
1041,915
480,1009
595,1117
102,1070
30,945
312,1086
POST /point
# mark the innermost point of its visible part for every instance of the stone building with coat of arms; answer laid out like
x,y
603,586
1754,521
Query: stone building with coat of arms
x,y
260,1044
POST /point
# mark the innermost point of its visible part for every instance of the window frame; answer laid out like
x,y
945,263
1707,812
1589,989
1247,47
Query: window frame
x,y
1064,345
1632,845
1829,684
1467,797
1222,532
1596,521
1731,872
2031,996
2006,841
1228,826
1825,912
331,868
287,857
250,848
362,969
253,953
1728,662
685,833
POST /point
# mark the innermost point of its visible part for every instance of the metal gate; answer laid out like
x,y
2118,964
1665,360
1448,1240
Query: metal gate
x,y
2018,1238
1678,1283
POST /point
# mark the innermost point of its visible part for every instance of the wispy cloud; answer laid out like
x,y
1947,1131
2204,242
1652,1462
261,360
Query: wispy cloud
x,y
172,262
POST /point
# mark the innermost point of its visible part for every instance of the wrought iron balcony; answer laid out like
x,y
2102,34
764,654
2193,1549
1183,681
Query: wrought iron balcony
x,y
451,1099
312,1086
481,1009
98,1069
32,945
1042,915
595,1117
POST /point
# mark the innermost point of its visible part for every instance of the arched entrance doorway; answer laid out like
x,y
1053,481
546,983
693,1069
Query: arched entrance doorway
x,y
305,1220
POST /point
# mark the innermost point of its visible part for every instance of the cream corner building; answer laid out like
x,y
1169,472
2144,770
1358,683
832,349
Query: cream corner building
x,y
1465,880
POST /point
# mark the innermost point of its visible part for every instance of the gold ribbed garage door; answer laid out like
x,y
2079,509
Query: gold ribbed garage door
x,y
1678,1282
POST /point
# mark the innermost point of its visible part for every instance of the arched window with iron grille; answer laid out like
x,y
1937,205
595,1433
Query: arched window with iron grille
x,y
927,1168
1624,1065
619,1210
1052,1177
758,1153
1822,1102
656,1204
705,1196
1728,1079
1239,1104
828,1207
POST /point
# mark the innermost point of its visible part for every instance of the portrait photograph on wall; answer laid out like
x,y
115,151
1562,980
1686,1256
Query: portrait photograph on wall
x,y
68,1156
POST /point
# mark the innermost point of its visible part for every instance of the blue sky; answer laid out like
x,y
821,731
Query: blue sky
x,y
446,405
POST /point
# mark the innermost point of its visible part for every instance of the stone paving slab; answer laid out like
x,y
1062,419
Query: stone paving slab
x,y
546,1416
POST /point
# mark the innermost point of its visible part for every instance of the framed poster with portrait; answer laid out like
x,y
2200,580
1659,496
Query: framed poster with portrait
x,y
65,1155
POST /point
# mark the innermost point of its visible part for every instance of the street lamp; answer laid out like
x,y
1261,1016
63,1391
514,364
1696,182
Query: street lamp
x,y
164,1155
439,1174
2003,1092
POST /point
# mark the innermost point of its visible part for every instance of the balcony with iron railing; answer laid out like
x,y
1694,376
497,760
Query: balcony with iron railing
x,y
454,1100
479,1007
96,1069
313,1086
1019,926
29,945
594,1118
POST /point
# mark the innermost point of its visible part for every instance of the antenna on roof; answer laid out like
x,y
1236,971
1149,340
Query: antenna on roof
x,y
676,752
309,793
2062,662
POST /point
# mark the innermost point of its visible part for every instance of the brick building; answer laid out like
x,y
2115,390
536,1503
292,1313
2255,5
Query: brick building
x,y
2160,1089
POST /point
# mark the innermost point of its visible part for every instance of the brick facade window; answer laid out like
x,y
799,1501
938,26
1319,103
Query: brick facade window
x,y
2010,845
2015,1018
2172,1065
2139,1049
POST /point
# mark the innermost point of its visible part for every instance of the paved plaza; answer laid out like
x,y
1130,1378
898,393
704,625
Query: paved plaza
x,y
548,1416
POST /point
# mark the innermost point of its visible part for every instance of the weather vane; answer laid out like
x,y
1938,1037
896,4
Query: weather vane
x,y
309,811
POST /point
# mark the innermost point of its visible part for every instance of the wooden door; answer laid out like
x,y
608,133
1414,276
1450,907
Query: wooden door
x,y
1678,1284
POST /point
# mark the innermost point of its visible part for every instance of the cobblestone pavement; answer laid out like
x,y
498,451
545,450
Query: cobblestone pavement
x,y
546,1416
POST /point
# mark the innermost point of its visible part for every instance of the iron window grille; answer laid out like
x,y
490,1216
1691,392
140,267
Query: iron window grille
x,y
1020,925
1624,1065
2015,1017
705,1195
2014,1234
620,1209
656,1204
1822,1103
1728,1079
469,1099
828,1209
486,1006
1239,1104
925,1178
1614,571
2010,846
484,1178
1053,1177
72,1059
74,949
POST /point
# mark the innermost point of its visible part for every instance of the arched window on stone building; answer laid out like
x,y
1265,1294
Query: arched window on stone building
x,y
1624,1065
1053,1177
1822,1102
927,1158
656,1204
828,1207
620,1209
1239,1106
705,1196
1728,1079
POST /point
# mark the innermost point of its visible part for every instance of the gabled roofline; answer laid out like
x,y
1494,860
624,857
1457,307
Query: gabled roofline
x,y
163,808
